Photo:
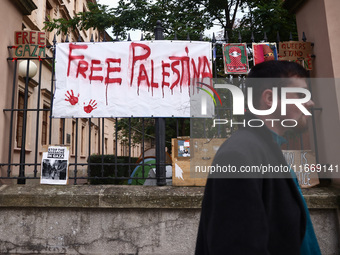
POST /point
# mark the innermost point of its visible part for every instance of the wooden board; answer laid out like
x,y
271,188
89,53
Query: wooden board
x,y
300,160
296,51
202,152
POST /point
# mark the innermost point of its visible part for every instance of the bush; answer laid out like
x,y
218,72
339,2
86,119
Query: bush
x,y
109,170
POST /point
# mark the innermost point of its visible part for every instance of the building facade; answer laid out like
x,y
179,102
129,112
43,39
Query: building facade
x,y
83,136
318,19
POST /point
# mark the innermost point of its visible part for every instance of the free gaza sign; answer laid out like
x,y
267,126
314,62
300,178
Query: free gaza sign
x,y
124,79
29,44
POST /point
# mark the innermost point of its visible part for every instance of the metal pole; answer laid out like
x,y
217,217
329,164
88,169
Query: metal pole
x,y
21,179
52,91
160,130
160,152
76,154
37,124
89,153
11,123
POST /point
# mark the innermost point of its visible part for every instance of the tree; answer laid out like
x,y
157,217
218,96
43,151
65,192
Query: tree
x,y
180,17
186,17
98,16
137,127
269,17
224,11
183,18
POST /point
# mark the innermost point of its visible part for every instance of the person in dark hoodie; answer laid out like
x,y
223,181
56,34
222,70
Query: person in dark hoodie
x,y
260,213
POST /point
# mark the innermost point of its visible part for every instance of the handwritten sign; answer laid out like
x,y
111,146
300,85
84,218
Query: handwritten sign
x,y
302,163
264,52
124,79
300,52
235,58
29,44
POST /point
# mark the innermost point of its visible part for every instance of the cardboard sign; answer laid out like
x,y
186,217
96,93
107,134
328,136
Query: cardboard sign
x,y
300,52
235,58
264,52
202,153
124,79
302,162
29,44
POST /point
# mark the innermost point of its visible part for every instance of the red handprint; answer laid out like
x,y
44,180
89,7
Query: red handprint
x,y
91,106
71,98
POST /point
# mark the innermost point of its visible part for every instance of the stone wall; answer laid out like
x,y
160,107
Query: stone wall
x,y
122,219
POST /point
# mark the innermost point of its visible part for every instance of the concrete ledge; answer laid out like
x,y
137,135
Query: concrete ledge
x,y
322,198
112,196
103,196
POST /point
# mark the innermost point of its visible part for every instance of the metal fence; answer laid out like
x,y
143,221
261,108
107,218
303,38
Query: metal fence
x,y
109,167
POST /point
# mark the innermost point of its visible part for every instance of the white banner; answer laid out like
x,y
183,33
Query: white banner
x,y
124,79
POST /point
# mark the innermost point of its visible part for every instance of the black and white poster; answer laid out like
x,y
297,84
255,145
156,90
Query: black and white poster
x,y
54,166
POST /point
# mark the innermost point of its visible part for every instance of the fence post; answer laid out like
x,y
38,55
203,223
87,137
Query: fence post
x,y
21,179
160,129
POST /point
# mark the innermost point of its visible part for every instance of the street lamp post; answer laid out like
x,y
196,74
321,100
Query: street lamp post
x,y
27,69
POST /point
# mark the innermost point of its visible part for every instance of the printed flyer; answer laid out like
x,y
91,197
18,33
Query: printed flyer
x,y
54,166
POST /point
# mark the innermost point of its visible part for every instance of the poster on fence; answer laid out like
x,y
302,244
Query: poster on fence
x,y
264,52
54,166
300,52
124,79
302,163
235,58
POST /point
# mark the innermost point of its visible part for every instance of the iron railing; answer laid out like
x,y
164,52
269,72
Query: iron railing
x,y
17,166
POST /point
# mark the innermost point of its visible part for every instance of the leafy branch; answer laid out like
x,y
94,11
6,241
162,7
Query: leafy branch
x,y
98,17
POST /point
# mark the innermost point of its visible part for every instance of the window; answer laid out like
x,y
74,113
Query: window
x,y
95,142
73,142
105,144
133,150
46,95
75,6
61,131
48,12
48,16
82,148
44,129
124,148
62,35
20,119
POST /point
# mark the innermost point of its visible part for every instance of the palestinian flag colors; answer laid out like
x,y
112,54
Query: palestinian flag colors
x,y
235,58
235,55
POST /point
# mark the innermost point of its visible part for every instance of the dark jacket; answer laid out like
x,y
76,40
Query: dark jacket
x,y
251,216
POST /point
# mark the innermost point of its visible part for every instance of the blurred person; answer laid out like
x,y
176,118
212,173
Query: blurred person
x,y
259,215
